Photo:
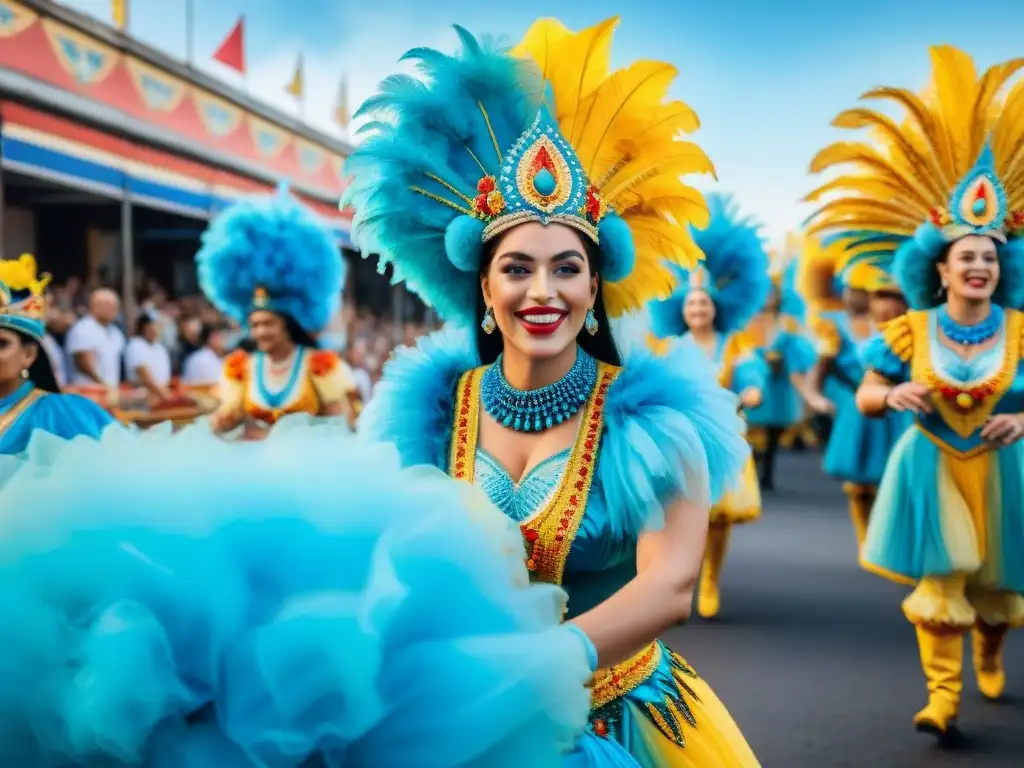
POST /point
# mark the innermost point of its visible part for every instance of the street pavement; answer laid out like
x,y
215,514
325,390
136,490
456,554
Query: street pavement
x,y
813,657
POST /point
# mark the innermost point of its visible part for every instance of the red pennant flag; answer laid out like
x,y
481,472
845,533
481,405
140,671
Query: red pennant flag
x,y
232,51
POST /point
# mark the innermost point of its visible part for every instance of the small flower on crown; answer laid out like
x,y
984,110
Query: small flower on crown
x,y
489,201
939,217
594,207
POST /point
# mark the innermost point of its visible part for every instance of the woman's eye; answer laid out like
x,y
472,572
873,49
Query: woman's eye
x,y
515,269
567,269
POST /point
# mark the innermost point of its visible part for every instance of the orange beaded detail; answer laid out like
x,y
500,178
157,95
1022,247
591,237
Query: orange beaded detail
x,y
236,365
322,362
610,684
466,428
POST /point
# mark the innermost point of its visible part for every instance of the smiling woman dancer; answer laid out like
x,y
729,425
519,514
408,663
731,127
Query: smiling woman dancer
x,y
275,270
946,191
536,214
712,304
30,399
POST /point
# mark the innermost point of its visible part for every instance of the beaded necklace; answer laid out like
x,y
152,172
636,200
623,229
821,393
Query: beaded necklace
x,y
971,335
538,409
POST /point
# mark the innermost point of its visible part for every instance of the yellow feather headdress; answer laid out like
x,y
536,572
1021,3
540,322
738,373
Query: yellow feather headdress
x,y
22,306
543,133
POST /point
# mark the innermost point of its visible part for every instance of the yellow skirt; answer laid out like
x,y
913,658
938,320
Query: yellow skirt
x,y
742,504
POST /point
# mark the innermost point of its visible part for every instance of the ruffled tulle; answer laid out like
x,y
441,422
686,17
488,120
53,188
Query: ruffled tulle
x,y
189,603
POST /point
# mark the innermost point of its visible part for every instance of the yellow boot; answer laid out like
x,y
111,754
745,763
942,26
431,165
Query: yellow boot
x,y
942,657
987,646
708,597
861,499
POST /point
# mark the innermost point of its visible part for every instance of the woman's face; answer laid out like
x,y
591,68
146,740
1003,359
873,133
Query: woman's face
x,y
856,300
887,306
151,332
267,330
540,286
15,356
698,311
971,268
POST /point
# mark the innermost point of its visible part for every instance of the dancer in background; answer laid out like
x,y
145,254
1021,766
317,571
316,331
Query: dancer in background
x,y
709,309
778,337
30,399
840,293
534,213
272,267
945,187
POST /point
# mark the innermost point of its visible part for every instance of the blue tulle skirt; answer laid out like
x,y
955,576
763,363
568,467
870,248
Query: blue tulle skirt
x,y
186,602
859,447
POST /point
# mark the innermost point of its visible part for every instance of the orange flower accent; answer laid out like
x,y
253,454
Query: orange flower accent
x,y
323,362
236,365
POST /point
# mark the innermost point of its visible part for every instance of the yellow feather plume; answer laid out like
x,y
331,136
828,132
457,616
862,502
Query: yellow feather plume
x,y
625,133
910,167
20,275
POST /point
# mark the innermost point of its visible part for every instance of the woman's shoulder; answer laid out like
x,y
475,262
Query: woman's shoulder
x,y
670,433
413,404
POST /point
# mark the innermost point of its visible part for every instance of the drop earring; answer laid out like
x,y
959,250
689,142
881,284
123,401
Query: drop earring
x,y
488,324
24,373
591,322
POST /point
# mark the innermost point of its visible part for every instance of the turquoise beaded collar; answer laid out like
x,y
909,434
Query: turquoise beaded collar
x,y
538,409
971,335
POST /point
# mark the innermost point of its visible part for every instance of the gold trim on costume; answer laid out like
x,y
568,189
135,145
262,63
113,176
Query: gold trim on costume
x,y
7,420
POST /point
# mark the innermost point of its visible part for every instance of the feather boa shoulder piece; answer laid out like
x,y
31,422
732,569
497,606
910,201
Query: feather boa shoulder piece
x,y
671,432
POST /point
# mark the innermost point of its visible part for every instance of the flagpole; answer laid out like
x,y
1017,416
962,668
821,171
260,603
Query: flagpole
x,y
189,33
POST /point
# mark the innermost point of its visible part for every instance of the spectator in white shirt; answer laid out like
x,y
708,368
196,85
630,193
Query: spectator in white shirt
x,y
204,366
94,344
147,361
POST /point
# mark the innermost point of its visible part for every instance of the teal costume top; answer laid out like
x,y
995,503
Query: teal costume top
x,y
918,523
656,430
28,409
789,352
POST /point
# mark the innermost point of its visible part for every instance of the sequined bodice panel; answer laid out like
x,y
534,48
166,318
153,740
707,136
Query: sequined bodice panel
x,y
599,563
951,366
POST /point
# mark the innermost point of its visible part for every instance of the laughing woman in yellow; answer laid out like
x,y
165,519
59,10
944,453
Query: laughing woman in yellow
x,y
708,311
533,205
945,194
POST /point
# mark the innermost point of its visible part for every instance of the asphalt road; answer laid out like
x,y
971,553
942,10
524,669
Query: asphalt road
x,y
813,657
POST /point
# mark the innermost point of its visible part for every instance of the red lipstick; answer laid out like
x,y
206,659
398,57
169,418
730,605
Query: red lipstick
x,y
541,321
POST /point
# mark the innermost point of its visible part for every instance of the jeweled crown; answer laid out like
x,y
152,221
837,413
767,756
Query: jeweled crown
x,y
22,304
978,206
541,180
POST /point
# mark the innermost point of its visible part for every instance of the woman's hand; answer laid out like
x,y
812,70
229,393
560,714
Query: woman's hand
x,y
909,396
751,397
820,404
1003,429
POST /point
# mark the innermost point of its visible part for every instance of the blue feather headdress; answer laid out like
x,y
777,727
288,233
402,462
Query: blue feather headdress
x,y
272,253
734,272
492,138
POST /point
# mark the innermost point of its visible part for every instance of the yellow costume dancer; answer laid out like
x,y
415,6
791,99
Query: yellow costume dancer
x,y
942,196
534,196
271,266
708,311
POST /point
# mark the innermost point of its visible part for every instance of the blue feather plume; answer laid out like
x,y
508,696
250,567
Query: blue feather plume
x,y
432,139
276,243
737,263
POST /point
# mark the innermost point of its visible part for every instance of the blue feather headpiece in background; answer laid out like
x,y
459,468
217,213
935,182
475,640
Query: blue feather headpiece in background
x,y
272,253
734,272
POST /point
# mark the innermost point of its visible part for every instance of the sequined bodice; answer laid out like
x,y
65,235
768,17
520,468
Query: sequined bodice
x,y
953,367
599,563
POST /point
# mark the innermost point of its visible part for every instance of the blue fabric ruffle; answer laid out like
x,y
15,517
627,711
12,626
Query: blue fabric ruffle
x,y
190,603
66,416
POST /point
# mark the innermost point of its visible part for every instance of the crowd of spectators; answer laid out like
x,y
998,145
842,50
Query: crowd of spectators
x,y
184,339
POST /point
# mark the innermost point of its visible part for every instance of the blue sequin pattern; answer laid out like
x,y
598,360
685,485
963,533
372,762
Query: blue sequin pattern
x,y
538,409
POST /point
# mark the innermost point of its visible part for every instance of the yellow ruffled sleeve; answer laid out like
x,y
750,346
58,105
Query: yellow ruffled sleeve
x,y
231,391
331,378
890,353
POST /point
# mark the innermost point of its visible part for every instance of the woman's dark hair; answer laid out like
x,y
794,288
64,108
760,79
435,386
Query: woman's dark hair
x,y
296,333
601,346
40,373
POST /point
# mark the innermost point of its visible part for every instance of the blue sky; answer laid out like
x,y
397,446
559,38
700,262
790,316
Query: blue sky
x,y
765,76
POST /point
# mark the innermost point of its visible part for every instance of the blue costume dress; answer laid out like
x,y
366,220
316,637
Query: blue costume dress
x,y
858,446
655,430
28,409
785,351
188,602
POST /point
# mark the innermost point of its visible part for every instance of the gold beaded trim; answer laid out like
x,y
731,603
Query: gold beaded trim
x,y
8,419
508,221
525,173
609,684
466,429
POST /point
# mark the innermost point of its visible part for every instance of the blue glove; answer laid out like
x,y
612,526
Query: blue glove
x,y
587,644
